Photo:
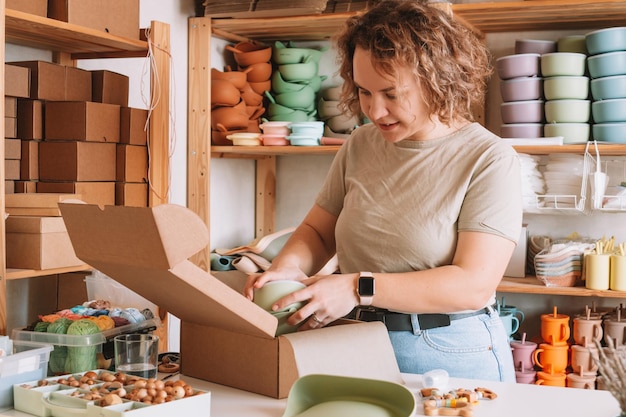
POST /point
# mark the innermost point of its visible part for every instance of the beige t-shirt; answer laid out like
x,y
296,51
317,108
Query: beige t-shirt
x,y
400,206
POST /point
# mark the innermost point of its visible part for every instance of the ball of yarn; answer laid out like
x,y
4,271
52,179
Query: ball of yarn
x,y
133,315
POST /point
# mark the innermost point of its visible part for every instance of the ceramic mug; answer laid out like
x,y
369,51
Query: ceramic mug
x,y
510,322
525,376
614,332
581,381
523,354
582,359
587,331
617,273
555,329
555,380
597,271
552,359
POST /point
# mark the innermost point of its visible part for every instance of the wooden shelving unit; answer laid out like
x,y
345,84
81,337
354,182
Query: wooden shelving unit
x,y
483,17
69,43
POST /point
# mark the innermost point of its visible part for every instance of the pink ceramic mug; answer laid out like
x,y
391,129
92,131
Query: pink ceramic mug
x,y
587,331
523,354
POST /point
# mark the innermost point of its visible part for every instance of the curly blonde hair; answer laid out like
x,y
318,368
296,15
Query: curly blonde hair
x,y
449,61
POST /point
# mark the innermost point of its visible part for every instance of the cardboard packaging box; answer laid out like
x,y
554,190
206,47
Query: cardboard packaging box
x,y
76,161
10,106
132,163
71,289
16,81
30,119
131,194
116,17
225,338
29,163
38,243
82,120
133,126
9,186
92,192
12,169
10,127
77,84
109,87
25,186
36,204
12,149
47,79
36,7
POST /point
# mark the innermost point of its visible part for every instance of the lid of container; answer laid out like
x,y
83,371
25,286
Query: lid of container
x,y
147,250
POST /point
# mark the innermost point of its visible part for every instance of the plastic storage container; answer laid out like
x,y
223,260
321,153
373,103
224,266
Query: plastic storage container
x,y
28,362
103,341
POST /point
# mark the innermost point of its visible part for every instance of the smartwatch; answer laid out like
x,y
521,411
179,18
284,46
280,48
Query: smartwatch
x,y
366,288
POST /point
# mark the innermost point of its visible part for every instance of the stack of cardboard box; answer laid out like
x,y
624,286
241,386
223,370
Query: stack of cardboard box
x,y
16,85
73,139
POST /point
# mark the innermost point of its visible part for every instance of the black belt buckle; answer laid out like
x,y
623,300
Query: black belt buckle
x,y
432,321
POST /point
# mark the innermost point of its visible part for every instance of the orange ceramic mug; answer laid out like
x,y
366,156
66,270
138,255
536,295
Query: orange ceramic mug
x,y
555,380
552,359
555,328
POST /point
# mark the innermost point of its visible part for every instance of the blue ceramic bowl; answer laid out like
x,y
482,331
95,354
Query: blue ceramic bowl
x,y
609,132
606,40
607,111
608,87
608,64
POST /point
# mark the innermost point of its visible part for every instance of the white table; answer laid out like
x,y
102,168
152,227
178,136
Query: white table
x,y
514,400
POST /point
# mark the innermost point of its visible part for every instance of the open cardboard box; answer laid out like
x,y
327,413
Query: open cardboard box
x,y
225,338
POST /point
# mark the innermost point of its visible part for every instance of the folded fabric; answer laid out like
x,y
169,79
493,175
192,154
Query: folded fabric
x,y
267,246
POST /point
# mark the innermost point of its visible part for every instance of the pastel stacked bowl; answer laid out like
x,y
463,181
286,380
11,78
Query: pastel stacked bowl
x,y
607,69
566,89
521,90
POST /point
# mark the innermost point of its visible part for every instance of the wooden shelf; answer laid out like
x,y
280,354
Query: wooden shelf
x,y
80,42
485,17
260,151
30,273
531,285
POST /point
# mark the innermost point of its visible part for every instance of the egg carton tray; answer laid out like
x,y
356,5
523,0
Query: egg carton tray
x,y
49,398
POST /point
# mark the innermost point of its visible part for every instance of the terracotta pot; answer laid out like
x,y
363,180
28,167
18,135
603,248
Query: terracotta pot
x,y
261,87
248,53
259,72
251,97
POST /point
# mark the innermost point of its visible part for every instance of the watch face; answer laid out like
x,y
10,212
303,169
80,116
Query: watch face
x,y
366,286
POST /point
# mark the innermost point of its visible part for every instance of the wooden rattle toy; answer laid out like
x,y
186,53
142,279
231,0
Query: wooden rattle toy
x,y
448,408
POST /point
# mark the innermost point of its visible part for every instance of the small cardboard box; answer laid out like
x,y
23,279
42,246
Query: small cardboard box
x,y
76,161
77,84
25,186
82,120
12,149
132,163
12,169
47,79
36,7
109,87
225,338
517,265
16,81
116,17
92,192
38,243
10,106
29,163
10,127
30,119
131,194
133,126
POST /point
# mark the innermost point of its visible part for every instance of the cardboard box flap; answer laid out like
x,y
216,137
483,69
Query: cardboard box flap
x,y
376,360
145,249
156,238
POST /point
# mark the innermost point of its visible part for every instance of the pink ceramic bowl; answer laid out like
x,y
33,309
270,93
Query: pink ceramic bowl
x,y
530,111
518,65
521,89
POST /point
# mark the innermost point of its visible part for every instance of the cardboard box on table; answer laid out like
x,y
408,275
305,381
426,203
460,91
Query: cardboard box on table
x,y
225,338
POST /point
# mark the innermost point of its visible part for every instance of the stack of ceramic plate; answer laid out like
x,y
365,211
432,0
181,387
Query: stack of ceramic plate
x,y
532,181
563,176
561,264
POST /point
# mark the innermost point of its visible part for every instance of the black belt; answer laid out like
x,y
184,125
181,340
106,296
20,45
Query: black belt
x,y
402,322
